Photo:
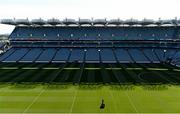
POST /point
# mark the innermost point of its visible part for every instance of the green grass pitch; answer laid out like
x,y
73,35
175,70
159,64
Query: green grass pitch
x,y
87,98
125,88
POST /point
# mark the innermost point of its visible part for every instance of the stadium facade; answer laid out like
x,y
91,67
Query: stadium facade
x,y
93,41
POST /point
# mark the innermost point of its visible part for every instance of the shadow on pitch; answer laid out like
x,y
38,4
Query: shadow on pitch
x,y
57,86
23,86
86,86
90,86
159,87
122,87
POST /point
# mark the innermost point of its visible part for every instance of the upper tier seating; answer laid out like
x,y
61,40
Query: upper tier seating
x,y
95,33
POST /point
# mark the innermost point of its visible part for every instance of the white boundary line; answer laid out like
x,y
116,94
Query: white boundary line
x,y
131,103
34,100
114,102
73,101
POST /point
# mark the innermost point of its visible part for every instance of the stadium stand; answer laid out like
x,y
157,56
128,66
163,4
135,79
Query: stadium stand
x,y
93,33
35,42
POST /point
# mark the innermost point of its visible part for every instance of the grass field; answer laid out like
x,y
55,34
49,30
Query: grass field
x,y
77,88
87,98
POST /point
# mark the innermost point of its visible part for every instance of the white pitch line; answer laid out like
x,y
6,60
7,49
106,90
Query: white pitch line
x,y
133,68
50,68
178,70
132,104
73,101
71,68
29,68
157,69
10,68
115,104
34,100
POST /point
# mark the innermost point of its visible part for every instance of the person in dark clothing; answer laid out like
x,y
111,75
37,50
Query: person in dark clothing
x,y
102,104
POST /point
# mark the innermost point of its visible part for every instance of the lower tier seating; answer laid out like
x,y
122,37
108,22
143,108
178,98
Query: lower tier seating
x,y
90,55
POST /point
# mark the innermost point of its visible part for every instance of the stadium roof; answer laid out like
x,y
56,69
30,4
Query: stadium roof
x,y
54,22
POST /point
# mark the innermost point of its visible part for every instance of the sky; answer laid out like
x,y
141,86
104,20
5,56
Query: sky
x,y
110,9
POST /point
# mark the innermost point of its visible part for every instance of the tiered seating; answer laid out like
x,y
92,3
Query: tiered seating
x,y
107,56
151,56
32,55
94,33
123,56
7,54
176,57
17,55
62,55
107,49
47,55
77,55
138,56
160,54
92,55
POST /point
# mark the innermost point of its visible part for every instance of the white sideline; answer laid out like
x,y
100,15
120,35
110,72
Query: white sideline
x,y
34,100
131,103
114,102
73,101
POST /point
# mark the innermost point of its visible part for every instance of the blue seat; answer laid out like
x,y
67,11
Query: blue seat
x,y
92,56
107,55
62,55
77,55
138,56
47,55
123,56
32,55
17,55
7,54
150,54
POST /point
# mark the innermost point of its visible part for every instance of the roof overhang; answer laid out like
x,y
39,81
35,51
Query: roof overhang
x,y
131,22
53,21
38,22
99,22
147,22
69,21
103,22
115,22
85,21
8,22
